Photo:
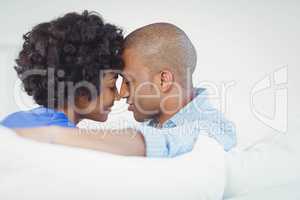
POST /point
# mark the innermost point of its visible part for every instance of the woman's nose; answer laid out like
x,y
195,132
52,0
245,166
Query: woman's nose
x,y
117,96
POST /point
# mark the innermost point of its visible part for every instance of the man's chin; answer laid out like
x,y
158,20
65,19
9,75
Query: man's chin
x,y
103,118
140,118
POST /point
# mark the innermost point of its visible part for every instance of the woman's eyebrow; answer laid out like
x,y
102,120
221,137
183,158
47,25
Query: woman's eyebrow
x,y
113,77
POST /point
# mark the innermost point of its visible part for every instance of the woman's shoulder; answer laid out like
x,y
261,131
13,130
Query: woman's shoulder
x,y
18,119
39,116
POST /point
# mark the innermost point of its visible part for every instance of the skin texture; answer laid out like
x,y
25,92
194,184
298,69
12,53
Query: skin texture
x,y
140,87
125,142
150,94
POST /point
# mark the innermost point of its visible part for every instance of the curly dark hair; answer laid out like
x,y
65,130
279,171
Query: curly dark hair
x,y
79,45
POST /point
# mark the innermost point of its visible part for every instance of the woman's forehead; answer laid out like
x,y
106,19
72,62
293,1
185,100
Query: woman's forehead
x,y
111,75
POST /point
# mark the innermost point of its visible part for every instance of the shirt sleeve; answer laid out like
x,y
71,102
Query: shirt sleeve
x,y
224,133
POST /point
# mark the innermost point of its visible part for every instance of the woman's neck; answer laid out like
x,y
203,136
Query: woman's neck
x,y
70,113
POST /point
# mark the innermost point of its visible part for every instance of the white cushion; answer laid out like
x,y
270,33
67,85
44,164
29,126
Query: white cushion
x,y
34,171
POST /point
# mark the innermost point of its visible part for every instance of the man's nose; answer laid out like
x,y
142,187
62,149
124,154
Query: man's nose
x,y
124,91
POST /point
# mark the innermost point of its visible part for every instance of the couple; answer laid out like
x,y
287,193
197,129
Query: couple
x,y
70,65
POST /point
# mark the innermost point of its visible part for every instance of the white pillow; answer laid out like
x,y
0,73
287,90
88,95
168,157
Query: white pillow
x,y
31,170
271,163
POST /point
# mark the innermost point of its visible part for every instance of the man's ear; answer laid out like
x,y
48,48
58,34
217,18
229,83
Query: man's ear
x,y
166,80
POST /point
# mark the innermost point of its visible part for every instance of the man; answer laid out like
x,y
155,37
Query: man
x,y
159,61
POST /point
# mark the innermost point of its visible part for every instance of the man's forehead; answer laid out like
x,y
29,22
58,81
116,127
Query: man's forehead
x,y
127,74
134,63
132,59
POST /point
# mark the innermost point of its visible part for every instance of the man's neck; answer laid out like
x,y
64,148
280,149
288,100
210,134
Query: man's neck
x,y
174,104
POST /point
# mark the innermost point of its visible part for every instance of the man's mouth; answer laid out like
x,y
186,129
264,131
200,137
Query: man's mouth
x,y
108,109
131,107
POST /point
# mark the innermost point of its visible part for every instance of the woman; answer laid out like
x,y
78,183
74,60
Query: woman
x,y
68,66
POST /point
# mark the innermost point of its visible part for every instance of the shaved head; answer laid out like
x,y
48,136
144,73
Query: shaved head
x,y
164,46
159,60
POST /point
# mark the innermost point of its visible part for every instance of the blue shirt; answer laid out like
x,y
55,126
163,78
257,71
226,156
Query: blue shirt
x,y
36,117
178,134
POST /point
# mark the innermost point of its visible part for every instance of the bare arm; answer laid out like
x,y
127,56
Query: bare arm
x,y
123,142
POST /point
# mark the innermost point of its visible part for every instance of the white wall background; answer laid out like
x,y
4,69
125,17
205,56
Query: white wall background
x,y
240,41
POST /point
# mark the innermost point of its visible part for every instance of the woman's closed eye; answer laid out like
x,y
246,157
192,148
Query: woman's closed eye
x,y
113,87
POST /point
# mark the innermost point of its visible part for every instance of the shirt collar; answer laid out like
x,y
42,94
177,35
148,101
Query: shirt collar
x,y
189,112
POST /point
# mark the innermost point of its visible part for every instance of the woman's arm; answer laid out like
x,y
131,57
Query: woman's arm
x,y
127,142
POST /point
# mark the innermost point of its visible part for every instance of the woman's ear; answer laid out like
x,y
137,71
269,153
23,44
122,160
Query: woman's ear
x,y
82,100
166,80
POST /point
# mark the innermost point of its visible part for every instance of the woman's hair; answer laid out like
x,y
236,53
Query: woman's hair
x,y
73,48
